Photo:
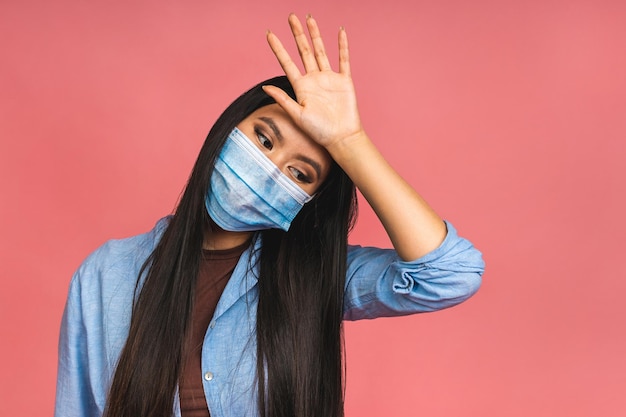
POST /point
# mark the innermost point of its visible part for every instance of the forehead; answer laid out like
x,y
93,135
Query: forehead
x,y
280,117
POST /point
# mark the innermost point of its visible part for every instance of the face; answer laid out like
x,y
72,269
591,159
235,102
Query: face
x,y
300,158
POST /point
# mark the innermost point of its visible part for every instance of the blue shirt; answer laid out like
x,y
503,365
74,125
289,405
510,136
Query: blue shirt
x,y
97,315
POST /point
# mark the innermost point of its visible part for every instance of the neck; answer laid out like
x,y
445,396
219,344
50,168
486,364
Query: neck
x,y
220,239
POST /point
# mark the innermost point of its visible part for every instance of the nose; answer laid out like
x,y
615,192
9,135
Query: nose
x,y
279,159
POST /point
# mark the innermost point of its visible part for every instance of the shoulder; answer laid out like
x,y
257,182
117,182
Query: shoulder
x,y
117,262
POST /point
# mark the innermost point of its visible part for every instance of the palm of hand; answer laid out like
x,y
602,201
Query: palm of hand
x,y
328,108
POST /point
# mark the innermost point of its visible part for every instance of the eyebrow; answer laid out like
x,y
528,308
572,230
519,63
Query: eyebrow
x,y
270,122
316,166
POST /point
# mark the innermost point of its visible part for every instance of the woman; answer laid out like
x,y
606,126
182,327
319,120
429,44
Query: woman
x,y
242,291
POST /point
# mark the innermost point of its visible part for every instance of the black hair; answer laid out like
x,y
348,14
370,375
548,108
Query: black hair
x,y
301,285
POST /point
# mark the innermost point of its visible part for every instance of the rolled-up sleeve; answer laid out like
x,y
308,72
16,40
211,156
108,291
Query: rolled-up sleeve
x,y
380,284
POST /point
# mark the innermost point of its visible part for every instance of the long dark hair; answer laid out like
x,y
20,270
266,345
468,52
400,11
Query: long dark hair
x,y
301,284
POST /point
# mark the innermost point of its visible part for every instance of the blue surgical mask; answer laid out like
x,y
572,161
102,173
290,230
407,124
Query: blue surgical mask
x,y
248,192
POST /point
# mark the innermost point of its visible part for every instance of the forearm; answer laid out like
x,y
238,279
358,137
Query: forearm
x,y
326,110
412,225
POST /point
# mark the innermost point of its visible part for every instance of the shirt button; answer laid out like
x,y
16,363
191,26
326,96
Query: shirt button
x,y
208,376
212,325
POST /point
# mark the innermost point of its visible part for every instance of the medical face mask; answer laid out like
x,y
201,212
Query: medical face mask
x,y
248,192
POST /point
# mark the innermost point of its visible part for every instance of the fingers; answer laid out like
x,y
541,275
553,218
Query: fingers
x,y
318,45
344,55
291,69
304,49
313,57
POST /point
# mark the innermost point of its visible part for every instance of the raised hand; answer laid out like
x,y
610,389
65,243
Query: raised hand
x,y
326,110
326,107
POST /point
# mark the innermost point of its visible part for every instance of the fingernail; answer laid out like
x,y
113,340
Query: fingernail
x,y
308,15
267,32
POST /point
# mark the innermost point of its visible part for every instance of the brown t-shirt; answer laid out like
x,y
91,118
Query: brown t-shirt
x,y
215,270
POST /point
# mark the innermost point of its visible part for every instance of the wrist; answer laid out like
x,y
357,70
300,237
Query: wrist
x,y
348,147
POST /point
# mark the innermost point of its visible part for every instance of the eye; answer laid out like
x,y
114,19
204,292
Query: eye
x,y
263,140
300,176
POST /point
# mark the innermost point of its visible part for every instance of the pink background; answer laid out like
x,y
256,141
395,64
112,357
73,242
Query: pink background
x,y
509,117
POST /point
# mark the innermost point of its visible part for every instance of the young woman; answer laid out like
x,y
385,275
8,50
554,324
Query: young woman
x,y
233,305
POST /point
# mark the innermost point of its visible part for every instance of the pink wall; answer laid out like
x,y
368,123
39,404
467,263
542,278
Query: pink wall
x,y
509,117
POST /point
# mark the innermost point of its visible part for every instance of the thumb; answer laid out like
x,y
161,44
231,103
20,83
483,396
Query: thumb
x,y
291,107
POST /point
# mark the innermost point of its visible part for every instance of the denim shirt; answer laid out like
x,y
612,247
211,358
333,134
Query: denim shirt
x,y
97,315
